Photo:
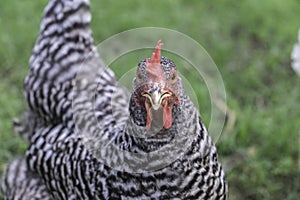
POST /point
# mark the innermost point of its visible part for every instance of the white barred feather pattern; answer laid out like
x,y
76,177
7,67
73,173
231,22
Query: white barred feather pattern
x,y
69,114
23,184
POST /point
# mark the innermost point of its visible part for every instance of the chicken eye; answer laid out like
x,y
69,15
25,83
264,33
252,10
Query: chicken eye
x,y
139,76
173,77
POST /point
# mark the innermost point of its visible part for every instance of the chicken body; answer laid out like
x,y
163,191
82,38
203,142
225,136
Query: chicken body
x,y
90,139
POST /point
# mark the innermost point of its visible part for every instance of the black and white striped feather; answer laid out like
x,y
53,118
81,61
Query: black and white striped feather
x,y
23,184
72,118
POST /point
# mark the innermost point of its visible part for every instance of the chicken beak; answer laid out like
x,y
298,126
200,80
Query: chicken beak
x,y
156,96
155,99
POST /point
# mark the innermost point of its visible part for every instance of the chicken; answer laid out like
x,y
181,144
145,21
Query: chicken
x,y
296,56
89,139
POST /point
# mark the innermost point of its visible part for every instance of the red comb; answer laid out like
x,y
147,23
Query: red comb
x,y
153,66
155,58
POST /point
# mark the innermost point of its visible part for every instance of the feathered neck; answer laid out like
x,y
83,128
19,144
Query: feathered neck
x,y
136,134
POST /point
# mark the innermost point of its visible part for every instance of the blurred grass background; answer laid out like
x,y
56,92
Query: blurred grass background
x,y
250,42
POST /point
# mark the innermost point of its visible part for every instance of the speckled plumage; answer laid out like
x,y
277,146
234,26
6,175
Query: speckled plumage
x,y
70,130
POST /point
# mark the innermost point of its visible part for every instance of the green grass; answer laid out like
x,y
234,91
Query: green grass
x,y
250,42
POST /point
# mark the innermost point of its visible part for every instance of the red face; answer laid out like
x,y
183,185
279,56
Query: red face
x,y
158,89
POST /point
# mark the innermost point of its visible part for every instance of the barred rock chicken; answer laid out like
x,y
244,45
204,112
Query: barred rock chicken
x,y
89,139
